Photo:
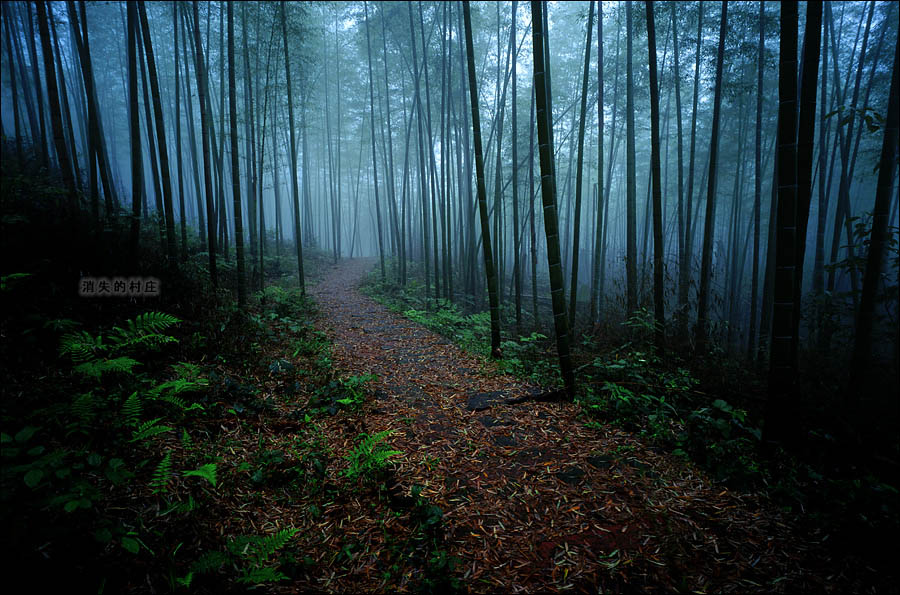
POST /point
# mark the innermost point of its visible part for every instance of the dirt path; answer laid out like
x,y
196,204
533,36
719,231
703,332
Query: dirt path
x,y
533,499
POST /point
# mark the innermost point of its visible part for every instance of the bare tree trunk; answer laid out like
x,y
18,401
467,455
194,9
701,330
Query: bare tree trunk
x,y
235,165
200,69
862,349
59,139
295,192
548,192
658,303
710,223
171,249
576,236
783,364
482,191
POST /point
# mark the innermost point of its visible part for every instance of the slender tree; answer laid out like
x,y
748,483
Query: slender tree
x,y
862,349
374,154
595,277
806,126
137,173
579,174
782,363
59,140
205,117
489,270
295,192
710,220
178,157
684,274
548,193
630,179
235,165
757,182
658,303
171,249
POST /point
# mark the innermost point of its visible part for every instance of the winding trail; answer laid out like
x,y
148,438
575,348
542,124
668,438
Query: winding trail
x,y
533,498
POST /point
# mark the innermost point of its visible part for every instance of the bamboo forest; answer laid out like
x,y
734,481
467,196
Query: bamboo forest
x,y
449,296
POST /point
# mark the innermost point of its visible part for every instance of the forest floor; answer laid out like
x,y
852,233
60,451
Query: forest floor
x,y
522,496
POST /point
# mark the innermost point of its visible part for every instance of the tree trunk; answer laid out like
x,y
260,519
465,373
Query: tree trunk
x,y
295,191
374,154
684,277
576,235
631,282
171,249
548,191
783,364
235,166
134,120
595,277
709,222
200,69
59,139
482,191
757,182
862,349
658,303
806,134
178,156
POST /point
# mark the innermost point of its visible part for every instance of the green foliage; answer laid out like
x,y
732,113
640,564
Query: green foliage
x,y
162,475
370,457
251,555
719,438
207,472
132,410
353,387
103,351
148,429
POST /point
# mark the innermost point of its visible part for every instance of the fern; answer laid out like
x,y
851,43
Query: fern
x,y
148,323
83,408
144,331
148,429
207,472
257,549
96,368
370,456
131,410
162,475
180,385
257,576
62,325
187,370
209,562
81,346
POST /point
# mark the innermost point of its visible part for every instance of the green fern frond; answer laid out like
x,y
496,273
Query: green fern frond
x,y
258,576
132,409
148,429
162,475
144,330
151,342
83,407
187,370
207,472
209,562
182,404
370,455
81,346
150,322
272,543
180,385
96,369
62,325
